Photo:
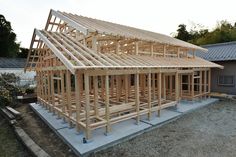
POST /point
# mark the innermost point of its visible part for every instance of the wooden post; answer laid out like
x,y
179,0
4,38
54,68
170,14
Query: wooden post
x,y
171,85
153,85
112,86
68,91
149,96
137,97
87,107
77,99
164,86
63,104
159,94
205,83
209,83
176,86
151,49
94,43
52,91
192,92
126,88
95,84
200,84
136,48
108,126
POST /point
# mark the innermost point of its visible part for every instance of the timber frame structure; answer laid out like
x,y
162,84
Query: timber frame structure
x,y
94,73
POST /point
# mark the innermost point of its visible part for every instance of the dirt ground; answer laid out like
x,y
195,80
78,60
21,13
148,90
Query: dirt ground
x,y
9,145
209,131
42,134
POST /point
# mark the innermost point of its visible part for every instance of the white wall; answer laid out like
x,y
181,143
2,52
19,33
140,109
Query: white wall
x,y
25,78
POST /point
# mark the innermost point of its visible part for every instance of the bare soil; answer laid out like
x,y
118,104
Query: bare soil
x,y
42,134
9,145
209,131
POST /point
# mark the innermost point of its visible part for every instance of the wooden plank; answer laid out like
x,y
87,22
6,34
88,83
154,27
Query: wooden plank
x,y
108,126
77,99
87,108
137,101
95,84
149,96
159,95
68,91
176,87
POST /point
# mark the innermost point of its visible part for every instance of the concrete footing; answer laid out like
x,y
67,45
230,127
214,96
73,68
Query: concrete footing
x,y
120,131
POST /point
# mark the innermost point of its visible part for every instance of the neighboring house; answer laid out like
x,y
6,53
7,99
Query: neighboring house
x,y
223,80
16,66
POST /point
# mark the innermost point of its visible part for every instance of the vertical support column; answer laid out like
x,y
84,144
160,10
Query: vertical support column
x,y
176,86
209,82
87,108
181,85
192,92
118,86
159,94
189,84
117,47
63,104
126,88
108,126
164,51
151,49
149,96
205,83
95,88
94,43
153,86
77,99
200,84
68,91
49,92
164,86
112,86
102,88
171,85
136,48
137,97
52,91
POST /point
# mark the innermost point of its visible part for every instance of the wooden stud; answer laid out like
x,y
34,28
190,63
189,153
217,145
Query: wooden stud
x,y
108,126
137,101
87,108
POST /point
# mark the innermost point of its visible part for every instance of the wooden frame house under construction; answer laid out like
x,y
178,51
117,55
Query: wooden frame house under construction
x,y
95,73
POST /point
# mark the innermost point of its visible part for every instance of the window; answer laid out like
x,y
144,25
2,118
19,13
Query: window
x,y
226,80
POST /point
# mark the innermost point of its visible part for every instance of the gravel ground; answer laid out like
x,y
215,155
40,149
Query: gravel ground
x,y
207,132
9,145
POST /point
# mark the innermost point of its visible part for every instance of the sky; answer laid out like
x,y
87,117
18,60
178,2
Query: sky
x,y
162,16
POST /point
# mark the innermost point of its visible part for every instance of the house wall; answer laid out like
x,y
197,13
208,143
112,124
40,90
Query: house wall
x,y
229,69
25,78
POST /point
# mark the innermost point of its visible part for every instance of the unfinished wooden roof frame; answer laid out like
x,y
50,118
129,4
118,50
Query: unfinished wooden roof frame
x,y
94,73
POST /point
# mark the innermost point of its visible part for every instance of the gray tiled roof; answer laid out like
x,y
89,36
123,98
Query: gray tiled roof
x,y
12,62
219,52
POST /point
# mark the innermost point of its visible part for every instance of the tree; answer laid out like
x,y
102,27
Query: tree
x,y
8,45
224,32
23,53
182,33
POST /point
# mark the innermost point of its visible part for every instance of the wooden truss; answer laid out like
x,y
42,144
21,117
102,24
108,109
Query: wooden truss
x,y
94,73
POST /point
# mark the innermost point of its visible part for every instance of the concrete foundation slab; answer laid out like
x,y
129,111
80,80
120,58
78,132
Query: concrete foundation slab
x,y
51,119
186,106
120,131
165,116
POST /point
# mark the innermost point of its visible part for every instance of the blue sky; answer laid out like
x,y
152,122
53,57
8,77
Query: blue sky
x,y
160,16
